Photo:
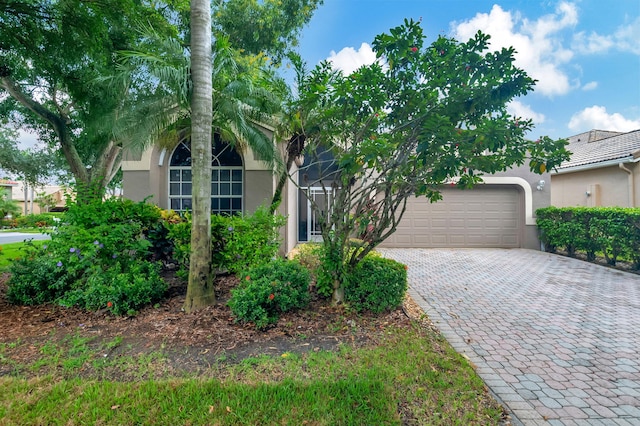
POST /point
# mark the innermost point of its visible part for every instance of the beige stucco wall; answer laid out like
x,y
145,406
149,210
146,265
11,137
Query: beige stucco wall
x,y
258,189
539,198
607,186
142,177
147,175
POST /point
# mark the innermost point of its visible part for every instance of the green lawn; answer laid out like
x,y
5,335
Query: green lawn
x,y
411,377
11,251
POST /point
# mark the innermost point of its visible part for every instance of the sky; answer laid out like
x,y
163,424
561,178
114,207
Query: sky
x,y
585,54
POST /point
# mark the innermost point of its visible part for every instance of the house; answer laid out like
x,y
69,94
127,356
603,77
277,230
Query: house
x,y
6,186
603,171
38,199
497,213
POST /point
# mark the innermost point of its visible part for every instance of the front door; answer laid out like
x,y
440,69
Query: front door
x,y
323,201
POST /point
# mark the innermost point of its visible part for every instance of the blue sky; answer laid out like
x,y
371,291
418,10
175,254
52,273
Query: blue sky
x,y
585,54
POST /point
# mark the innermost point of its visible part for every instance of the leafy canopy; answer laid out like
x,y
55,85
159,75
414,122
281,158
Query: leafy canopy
x,y
420,117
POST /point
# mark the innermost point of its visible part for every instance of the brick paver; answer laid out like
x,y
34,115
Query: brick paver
x,y
556,339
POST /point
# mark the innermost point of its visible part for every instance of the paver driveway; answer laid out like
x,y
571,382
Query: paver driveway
x,y
556,339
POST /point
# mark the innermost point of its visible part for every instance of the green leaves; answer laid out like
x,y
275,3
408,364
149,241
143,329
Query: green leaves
x,y
419,118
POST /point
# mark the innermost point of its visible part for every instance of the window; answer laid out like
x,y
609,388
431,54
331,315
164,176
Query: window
x,y
226,178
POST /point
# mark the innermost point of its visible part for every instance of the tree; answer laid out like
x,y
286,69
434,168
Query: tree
x,y
200,291
8,150
418,118
264,27
52,55
7,206
162,104
32,166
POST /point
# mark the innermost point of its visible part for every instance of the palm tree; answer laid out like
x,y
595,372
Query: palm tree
x,y
167,96
200,290
159,78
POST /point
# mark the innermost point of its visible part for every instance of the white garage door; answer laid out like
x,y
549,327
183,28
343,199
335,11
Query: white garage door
x,y
486,216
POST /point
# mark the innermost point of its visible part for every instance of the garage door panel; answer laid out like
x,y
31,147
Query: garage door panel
x,y
487,216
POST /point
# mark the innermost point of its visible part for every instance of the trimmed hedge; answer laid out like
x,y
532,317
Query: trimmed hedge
x,y
614,231
376,284
268,290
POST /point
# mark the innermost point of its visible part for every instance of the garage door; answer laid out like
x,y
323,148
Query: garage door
x,y
486,216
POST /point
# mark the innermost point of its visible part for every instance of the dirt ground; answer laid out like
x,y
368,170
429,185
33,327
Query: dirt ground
x,y
193,341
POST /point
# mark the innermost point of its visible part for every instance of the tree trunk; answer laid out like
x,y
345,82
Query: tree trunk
x,y
337,298
295,146
91,184
200,290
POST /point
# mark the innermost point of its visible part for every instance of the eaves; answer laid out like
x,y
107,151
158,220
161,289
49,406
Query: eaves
x,y
598,165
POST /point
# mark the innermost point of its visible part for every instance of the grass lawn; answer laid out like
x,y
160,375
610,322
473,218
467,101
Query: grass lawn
x,y
11,251
411,377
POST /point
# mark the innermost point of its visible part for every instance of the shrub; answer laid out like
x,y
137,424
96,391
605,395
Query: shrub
x,y
35,221
238,242
120,289
92,261
113,210
268,290
309,256
332,259
613,231
36,280
376,284
245,242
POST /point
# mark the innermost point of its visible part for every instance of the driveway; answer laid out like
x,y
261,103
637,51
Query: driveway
x,y
18,237
557,340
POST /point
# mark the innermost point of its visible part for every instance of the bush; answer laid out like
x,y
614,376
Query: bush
x,y
36,280
119,289
35,221
100,254
268,290
238,242
613,231
376,284
245,242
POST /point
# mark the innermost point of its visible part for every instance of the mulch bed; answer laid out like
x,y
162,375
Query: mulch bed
x,y
198,337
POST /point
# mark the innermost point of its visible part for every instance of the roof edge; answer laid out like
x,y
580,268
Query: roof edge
x,y
599,165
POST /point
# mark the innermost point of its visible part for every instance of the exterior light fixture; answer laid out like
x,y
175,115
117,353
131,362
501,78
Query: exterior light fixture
x,y
540,185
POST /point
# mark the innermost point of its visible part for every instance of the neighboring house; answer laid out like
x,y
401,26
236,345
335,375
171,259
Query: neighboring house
x,y
498,213
603,171
7,187
55,193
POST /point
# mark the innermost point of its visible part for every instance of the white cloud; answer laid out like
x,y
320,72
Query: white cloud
x,y
518,109
538,46
627,37
592,85
624,39
597,117
348,59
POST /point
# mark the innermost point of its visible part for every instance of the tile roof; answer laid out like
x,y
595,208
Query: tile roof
x,y
597,146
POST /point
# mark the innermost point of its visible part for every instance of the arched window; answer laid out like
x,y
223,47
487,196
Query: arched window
x,y
226,178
